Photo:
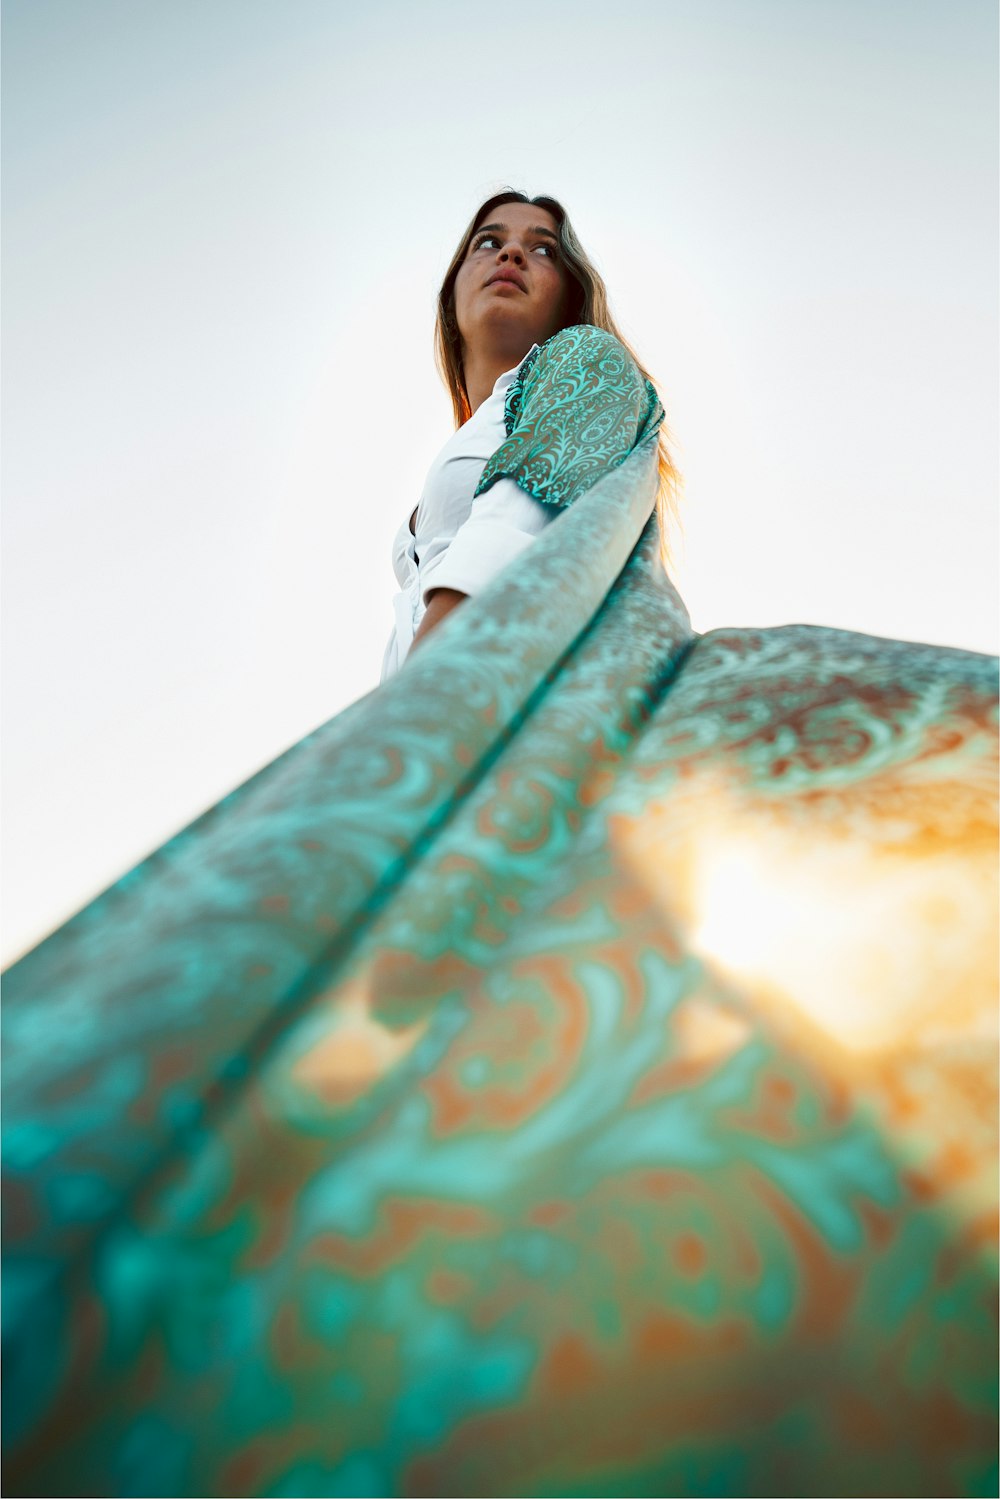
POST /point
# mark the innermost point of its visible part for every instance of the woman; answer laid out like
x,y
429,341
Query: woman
x,y
573,1101
547,398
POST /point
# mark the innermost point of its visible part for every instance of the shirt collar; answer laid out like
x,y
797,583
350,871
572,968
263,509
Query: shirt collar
x,y
508,375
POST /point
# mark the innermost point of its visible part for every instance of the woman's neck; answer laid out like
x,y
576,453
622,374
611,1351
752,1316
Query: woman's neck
x,y
482,369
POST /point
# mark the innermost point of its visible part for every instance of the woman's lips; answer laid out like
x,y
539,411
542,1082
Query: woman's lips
x,y
507,278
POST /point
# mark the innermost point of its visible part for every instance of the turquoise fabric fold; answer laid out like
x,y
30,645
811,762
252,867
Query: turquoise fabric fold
x,y
567,1071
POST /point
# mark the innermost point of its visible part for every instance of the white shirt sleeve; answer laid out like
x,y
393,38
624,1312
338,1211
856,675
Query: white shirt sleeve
x,y
502,522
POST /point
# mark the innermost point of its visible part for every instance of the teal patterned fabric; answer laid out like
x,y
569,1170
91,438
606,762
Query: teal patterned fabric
x,y
569,1071
576,409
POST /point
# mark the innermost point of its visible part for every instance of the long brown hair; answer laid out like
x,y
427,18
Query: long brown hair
x,y
588,303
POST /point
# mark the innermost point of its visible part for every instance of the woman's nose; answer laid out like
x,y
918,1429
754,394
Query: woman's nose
x,y
512,251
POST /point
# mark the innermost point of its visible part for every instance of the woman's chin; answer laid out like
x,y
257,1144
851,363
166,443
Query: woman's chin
x,y
503,320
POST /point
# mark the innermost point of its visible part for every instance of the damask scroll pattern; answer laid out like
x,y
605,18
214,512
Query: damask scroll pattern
x,y
129,1027
544,1198
577,408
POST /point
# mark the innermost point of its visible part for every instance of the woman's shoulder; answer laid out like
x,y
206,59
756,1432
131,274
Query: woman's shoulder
x,y
577,408
582,346
583,340
578,362
578,359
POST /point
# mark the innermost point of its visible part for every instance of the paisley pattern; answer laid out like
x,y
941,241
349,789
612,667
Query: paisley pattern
x,y
572,1070
576,409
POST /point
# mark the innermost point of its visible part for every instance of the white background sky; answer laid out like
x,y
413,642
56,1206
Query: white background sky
x,y
225,222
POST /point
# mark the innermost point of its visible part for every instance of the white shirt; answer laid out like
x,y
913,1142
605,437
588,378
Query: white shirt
x,y
458,544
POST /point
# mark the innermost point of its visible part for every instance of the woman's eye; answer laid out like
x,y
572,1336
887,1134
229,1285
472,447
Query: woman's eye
x,y
482,240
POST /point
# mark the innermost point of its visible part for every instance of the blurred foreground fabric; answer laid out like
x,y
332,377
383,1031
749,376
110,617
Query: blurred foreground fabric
x,y
570,1071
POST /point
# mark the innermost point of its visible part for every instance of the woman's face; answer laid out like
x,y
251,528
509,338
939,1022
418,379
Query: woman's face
x,y
512,288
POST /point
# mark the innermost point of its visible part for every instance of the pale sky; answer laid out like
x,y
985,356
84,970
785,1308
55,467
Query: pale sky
x,y
225,223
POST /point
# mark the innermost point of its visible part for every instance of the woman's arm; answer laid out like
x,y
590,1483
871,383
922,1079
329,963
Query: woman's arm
x,y
440,603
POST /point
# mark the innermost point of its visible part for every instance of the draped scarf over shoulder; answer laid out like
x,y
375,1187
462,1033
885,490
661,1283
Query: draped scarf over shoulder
x,y
576,410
